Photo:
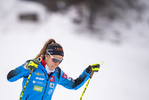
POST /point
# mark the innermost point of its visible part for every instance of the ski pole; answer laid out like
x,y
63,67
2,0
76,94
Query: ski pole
x,y
39,60
90,79
26,83
86,85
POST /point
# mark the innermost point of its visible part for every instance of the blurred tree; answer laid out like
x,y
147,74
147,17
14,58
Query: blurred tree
x,y
109,9
93,6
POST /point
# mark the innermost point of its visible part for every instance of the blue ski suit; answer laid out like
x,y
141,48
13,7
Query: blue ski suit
x,y
41,85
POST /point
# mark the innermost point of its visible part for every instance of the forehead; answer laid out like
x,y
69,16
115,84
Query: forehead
x,y
58,56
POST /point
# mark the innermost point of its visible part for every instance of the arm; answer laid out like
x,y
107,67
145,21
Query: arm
x,y
22,71
70,83
17,73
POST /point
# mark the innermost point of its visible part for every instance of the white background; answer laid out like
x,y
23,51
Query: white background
x,y
124,76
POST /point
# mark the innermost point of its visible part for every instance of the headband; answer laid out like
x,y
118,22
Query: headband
x,y
55,50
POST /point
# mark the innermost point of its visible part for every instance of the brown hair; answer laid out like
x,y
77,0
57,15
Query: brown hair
x,y
51,42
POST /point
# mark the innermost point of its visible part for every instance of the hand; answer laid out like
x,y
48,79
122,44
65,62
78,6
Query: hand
x,y
31,64
93,67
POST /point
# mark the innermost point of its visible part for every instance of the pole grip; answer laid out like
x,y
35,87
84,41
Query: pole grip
x,y
91,74
31,70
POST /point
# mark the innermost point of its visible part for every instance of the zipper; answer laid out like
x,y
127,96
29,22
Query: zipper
x,y
45,89
46,85
27,98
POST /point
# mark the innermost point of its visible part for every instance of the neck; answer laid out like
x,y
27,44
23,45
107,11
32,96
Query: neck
x,y
48,69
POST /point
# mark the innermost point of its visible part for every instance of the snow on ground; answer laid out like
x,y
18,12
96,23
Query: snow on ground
x,y
124,76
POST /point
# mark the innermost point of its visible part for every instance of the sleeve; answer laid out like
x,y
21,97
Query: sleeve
x,y
17,73
70,83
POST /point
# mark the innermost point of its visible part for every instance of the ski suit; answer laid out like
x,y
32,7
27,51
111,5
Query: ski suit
x,y
41,85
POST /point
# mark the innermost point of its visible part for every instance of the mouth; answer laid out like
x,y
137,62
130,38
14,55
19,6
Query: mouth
x,y
53,67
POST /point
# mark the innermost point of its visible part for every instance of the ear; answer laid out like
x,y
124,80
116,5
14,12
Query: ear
x,y
46,56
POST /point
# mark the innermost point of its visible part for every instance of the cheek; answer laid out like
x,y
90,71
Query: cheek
x,y
50,62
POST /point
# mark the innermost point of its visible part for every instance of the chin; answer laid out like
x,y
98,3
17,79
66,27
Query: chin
x,y
52,68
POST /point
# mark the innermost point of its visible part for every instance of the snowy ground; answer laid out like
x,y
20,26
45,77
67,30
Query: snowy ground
x,y
124,76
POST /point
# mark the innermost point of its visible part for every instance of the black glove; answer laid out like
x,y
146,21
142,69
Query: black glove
x,y
93,67
31,64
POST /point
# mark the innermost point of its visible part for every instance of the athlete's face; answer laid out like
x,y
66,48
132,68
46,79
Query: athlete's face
x,y
53,61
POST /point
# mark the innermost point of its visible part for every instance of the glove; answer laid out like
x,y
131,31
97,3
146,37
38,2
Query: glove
x,y
93,67
31,64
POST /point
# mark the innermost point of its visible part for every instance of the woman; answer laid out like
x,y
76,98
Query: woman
x,y
46,74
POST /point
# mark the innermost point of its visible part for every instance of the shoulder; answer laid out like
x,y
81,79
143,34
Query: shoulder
x,y
58,71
